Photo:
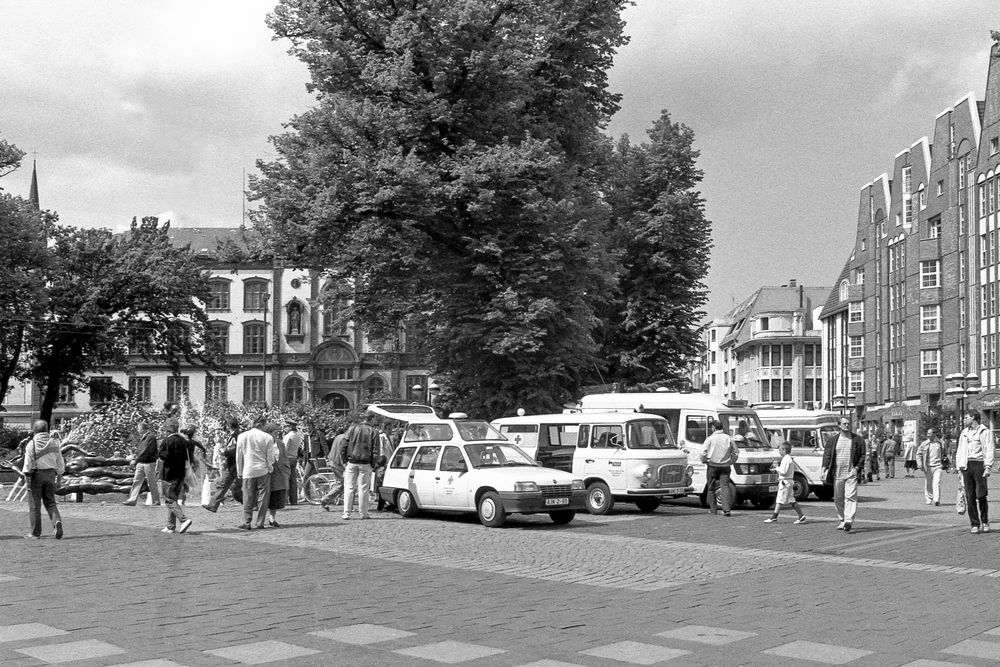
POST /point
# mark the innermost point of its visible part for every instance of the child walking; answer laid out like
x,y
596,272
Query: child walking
x,y
786,473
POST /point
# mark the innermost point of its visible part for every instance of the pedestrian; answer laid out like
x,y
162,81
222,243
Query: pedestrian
x,y
279,481
336,464
975,460
292,441
872,459
43,469
256,454
145,465
720,454
889,456
224,459
360,450
929,457
192,445
786,485
174,456
910,458
842,456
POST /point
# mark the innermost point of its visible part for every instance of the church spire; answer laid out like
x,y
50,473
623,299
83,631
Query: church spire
x,y
33,193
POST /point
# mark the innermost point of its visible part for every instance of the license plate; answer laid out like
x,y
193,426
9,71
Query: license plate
x,y
557,501
772,488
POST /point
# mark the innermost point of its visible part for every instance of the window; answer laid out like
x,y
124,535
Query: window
x,y
930,318
907,180
934,228
961,219
713,356
813,355
330,373
962,313
65,393
764,323
335,318
101,390
982,200
899,219
864,245
253,389
940,189
713,335
177,388
930,363
453,461
426,458
255,295
217,337
253,338
961,172
855,381
856,312
991,189
139,388
843,290
859,276
375,385
813,390
696,429
923,198
930,273
219,297
295,390
993,146
216,388
294,318
856,346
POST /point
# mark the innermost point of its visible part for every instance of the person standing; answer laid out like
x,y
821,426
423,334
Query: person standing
x,y
910,458
145,466
336,464
929,456
720,455
173,452
361,450
224,459
889,456
43,468
293,447
842,458
279,483
786,485
974,460
256,454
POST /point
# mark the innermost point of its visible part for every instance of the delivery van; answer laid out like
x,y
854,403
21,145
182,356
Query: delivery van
x,y
754,475
621,457
807,431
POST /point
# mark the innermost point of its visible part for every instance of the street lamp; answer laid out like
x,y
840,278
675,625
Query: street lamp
x,y
963,386
263,352
842,403
428,396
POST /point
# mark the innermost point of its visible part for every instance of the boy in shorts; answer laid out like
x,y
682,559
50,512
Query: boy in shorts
x,y
786,487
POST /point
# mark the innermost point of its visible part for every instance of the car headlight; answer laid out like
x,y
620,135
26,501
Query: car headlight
x,y
525,487
646,472
578,485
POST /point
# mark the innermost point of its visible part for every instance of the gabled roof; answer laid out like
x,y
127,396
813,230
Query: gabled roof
x,y
206,240
772,300
833,302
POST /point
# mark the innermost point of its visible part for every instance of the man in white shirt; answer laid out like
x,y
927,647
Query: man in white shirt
x,y
720,455
974,460
256,453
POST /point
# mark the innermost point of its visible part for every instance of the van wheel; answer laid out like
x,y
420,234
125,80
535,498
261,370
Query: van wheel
x,y
800,488
647,504
491,512
562,517
599,498
406,505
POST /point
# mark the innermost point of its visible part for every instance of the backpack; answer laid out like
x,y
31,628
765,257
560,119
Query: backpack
x,y
359,443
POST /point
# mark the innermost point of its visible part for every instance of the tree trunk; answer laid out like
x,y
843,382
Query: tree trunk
x,y
50,396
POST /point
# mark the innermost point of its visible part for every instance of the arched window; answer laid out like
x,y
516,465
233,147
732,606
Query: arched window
x,y
843,290
375,385
294,318
338,402
295,390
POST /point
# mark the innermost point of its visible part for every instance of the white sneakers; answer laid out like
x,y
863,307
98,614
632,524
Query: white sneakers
x,y
801,519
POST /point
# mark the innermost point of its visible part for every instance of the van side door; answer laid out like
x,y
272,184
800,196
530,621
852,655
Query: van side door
x,y
607,456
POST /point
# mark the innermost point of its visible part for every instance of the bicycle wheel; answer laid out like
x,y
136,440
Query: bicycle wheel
x,y
318,485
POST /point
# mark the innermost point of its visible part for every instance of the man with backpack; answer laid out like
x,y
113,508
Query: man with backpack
x,y
359,450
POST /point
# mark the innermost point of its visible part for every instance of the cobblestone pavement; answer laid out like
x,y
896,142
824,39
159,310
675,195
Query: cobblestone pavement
x,y
909,586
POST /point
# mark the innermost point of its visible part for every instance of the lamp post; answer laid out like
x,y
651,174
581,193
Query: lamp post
x,y
962,387
263,352
428,395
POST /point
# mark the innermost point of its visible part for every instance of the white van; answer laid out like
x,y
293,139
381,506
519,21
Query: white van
x,y
807,431
754,476
621,457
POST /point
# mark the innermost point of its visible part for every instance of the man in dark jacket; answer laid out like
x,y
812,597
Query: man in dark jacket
x,y
145,465
173,451
360,451
843,457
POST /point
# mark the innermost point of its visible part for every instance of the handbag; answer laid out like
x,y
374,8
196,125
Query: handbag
x,y
190,478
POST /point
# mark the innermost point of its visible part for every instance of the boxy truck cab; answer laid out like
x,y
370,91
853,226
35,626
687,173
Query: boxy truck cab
x,y
625,457
754,476
807,431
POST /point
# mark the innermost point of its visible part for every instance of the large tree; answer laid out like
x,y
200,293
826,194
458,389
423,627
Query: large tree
x,y
447,177
110,295
659,232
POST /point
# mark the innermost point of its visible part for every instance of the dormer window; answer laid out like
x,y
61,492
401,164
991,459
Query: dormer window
x,y
843,289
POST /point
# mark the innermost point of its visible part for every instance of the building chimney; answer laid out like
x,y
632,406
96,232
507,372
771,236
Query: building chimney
x,y
792,283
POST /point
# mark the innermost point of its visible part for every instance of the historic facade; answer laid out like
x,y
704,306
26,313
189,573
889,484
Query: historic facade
x,y
767,350
280,345
917,300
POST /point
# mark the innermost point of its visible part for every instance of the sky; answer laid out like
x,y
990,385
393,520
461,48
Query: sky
x,y
138,108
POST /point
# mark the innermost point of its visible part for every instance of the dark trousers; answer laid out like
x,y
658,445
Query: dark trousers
x,y
255,493
719,475
42,491
976,502
293,482
222,485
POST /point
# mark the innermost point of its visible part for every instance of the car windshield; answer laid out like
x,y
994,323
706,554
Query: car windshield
x,y
650,434
746,430
497,456
473,429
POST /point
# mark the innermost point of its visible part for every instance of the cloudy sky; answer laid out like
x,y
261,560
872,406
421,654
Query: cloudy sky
x,y
141,108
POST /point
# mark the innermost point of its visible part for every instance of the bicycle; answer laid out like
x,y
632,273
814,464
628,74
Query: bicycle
x,y
319,482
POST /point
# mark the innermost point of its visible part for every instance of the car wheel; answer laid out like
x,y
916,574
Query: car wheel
x,y
647,504
599,498
562,517
491,512
800,488
406,505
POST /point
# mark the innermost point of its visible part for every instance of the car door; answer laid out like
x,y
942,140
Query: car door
x,y
606,457
452,490
422,480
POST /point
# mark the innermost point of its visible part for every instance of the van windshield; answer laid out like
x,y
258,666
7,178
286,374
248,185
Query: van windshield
x,y
650,434
746,430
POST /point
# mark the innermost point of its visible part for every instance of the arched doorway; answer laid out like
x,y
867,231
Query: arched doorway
x,y
338,402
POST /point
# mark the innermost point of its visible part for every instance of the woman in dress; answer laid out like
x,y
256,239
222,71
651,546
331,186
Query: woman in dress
x,y
279,477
